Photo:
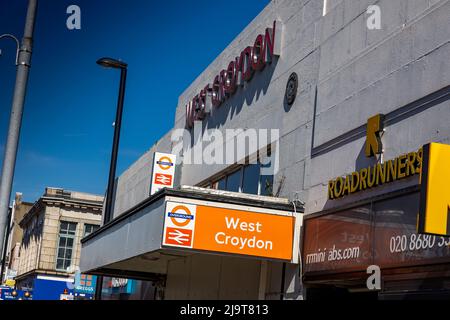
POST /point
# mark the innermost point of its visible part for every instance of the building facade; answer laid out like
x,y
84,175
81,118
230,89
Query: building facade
x,y
338,95
18,211
50,247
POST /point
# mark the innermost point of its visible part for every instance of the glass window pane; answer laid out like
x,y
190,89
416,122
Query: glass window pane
x,y
72,228
234,181
60,264
68,254
61,253
267,185
62,241
251,179
396,232
89,228
63,226
69,243
222,184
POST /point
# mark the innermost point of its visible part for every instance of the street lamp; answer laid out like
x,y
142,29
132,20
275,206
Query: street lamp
x,y
10,36
23,63
116,64
5,245
112,63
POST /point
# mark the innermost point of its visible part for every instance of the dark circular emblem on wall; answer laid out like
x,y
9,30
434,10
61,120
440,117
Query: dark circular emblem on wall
x,y
291,88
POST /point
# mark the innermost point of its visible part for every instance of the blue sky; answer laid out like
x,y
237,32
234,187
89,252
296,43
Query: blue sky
x,y
71,102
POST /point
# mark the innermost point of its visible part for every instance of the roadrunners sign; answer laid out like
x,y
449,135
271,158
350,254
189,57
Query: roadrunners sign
x,y
163,171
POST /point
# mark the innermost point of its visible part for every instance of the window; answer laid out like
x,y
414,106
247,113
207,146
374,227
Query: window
x,y
247,179
266,184
65,246
222,183
89,228
251,179
234,181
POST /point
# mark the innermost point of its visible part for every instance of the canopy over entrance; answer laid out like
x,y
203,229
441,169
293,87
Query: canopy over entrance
x,y
172,223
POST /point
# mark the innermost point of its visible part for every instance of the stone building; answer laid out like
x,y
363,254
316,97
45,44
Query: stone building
x,y
50,248
18,211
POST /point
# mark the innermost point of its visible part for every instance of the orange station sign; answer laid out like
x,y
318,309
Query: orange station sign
x,y
226,230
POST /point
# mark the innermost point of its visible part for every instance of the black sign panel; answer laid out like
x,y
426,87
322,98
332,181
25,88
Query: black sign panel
x,y
397,243
382,233
338,242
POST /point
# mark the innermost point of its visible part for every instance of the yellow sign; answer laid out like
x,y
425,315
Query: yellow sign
x,y
10,283
373,133
434,215
399,168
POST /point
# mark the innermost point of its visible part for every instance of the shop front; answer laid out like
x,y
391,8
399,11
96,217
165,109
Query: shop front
x,y
400,237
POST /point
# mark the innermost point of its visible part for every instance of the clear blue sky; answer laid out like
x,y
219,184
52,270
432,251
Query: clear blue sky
x,y
71,102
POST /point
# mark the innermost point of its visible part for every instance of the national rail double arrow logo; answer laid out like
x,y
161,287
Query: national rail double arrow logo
x,y
181,237
163,179
179,232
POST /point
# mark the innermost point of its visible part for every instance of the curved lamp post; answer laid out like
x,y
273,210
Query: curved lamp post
x,y
23,61
5,245
10,36
115,64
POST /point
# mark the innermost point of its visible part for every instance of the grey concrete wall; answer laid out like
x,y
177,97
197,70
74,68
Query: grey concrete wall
x,y
364,72
261,104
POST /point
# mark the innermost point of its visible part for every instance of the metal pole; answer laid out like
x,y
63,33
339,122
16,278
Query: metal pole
x,y
115,148
9,160
112,167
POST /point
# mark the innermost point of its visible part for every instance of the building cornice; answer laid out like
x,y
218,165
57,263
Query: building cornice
x,y
94,206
